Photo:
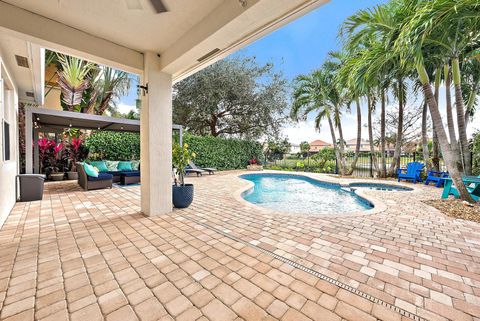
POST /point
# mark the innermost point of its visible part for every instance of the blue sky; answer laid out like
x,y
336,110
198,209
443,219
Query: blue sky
x,y
303,44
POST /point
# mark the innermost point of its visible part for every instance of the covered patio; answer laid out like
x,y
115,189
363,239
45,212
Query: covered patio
x,y
43,120
92,255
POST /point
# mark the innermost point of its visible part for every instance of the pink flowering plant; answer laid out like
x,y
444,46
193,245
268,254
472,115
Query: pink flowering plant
x,y
56,157
75,152
45,149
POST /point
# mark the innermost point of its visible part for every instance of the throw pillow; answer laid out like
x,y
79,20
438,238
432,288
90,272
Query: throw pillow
x,y
135,165
112,165
90,170
102,167
124,166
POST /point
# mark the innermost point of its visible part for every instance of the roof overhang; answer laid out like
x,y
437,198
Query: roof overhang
x,y
59,119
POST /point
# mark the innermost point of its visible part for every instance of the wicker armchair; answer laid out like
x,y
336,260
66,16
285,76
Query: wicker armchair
x,y
88,183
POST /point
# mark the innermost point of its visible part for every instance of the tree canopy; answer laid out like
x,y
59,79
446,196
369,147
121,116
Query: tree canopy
x,y
234,97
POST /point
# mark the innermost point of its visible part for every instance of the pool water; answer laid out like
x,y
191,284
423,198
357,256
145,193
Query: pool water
x,y
381,187
300,194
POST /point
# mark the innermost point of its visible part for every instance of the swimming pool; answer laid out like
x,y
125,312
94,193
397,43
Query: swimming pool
x,y
301,194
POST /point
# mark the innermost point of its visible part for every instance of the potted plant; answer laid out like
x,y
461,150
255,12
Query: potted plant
x,y
182,193
75,151
55,162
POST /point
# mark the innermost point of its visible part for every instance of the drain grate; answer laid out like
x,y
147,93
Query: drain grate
x,y
319,275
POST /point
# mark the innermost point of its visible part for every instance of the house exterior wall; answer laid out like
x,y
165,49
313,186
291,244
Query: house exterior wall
x,y
52,91
8,167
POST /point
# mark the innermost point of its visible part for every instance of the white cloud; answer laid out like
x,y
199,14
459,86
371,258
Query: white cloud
x,y
124,108
305,131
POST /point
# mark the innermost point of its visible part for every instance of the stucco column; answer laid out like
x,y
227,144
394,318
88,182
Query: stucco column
x,y
156,139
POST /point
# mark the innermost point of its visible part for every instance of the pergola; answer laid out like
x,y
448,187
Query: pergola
x,y
55,121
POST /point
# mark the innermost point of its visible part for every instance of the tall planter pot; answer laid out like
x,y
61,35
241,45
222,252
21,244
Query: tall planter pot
x,y
182,195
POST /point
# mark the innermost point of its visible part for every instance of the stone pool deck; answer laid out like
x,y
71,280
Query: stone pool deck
x,y
91,256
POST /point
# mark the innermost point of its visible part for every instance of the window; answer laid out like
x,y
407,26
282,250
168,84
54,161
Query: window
x,y
6,141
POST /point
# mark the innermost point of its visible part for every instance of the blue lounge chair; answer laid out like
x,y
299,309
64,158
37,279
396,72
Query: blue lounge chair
x,y
436,177
411,173
471,182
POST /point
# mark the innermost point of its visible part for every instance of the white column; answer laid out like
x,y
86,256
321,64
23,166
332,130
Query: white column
x,y
156,139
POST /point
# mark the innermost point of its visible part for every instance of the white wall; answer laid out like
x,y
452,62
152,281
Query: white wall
x,y
8,168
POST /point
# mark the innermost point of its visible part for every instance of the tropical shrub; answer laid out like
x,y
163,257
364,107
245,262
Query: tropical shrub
x,y
223,153
115,146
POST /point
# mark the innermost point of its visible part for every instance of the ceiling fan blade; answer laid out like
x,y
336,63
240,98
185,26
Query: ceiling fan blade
x,y
158,6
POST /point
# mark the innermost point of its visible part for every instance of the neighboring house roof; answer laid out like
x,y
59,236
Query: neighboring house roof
x,y
319,142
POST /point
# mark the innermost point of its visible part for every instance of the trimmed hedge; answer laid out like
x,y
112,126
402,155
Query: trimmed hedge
x,y
115,146
222,153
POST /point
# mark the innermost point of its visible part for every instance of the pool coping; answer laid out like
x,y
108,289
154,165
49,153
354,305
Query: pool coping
x,y
378,205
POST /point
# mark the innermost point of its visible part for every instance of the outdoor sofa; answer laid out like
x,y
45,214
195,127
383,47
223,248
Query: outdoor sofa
x,y
123,172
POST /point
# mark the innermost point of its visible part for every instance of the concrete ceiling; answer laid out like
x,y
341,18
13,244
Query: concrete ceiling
x,y
187,38
139,29
26,79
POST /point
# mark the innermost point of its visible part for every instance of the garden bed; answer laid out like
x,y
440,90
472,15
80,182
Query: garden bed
x,y
457,209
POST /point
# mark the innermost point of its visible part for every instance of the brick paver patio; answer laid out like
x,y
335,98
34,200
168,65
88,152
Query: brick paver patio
x,y
91,255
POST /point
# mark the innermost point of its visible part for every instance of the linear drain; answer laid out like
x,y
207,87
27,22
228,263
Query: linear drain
x,y
319,275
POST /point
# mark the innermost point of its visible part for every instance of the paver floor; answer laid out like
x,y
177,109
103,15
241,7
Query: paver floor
x,y
92,255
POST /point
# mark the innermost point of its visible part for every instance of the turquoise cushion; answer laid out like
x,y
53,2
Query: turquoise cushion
x,y
90,170
124,166
102,167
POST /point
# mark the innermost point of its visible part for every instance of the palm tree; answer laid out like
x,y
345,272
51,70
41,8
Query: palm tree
x,y
110,85
448,99
374,31
428,28
471,84
351,94
311,94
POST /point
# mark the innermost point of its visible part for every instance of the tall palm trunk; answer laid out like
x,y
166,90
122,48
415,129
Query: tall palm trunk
x,y
471,102
382,135
462,128
442,135
448,100
335,146
370,134
359,138
435,144
426,152
342,142
398,142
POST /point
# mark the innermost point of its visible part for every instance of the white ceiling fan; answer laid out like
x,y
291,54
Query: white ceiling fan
x,y
157,5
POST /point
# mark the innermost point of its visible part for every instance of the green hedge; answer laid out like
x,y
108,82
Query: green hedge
x,y
217,152
114,146
476,154
222,153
